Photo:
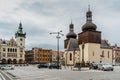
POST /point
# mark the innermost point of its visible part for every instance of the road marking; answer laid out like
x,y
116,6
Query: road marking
x,y
2,77
6,74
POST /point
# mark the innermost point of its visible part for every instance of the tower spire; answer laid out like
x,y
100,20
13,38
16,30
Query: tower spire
x,y
88,7
71,21
71,27
89,14
20,31
89,25
71,33
20,25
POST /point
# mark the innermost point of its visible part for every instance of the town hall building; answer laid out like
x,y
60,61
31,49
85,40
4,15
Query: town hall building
x,y
13,51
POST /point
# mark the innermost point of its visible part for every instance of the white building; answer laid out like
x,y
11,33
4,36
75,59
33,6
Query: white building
x,y
72,51
13,50
91,47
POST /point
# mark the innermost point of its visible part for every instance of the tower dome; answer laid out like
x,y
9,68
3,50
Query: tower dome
x,y
89,25
71,33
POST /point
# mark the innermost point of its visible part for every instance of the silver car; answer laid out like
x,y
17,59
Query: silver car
x,y
105,67
7,67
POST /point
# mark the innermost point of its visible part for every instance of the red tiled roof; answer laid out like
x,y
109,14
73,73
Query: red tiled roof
x,y
56,52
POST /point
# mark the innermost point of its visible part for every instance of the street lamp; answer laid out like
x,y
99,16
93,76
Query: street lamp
x,y
58,37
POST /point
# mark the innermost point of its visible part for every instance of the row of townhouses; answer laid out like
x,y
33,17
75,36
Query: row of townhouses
x,y
39,55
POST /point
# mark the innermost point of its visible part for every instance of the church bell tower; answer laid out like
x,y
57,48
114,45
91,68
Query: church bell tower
x,y
89,33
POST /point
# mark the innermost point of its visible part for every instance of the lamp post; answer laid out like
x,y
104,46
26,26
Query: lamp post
x,y
58,37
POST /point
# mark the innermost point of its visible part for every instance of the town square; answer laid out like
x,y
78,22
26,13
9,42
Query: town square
x,y
59,40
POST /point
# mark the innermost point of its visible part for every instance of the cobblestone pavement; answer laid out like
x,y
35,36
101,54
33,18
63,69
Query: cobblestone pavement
x,y
33,73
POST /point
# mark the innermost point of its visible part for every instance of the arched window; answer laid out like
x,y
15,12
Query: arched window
x,y
8,49
93,53
13,49
102,53
70,56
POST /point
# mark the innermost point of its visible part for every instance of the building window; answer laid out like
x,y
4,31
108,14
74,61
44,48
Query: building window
x,y
21,44
15,50
3,49
93,53
4,55
70,56
21,39
21,50
11,43
108,54
8,49
102,53
20,55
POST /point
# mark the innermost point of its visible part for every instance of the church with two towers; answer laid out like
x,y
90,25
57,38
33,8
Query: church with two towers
x,y
87,46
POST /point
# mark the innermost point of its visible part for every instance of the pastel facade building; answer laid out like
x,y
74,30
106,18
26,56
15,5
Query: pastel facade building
x,y
13,50
38,55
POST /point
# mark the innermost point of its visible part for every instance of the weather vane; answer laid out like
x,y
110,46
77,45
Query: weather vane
x,y
88,2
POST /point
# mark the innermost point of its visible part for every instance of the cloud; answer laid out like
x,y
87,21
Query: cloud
x,y
40,17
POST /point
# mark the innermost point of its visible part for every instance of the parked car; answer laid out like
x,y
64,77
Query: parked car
x,y
43,65
93,66
116,64
7,67
54,66
105,66
1,65
76,67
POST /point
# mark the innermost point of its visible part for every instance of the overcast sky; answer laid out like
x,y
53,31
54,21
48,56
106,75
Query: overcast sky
x,y
40,17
